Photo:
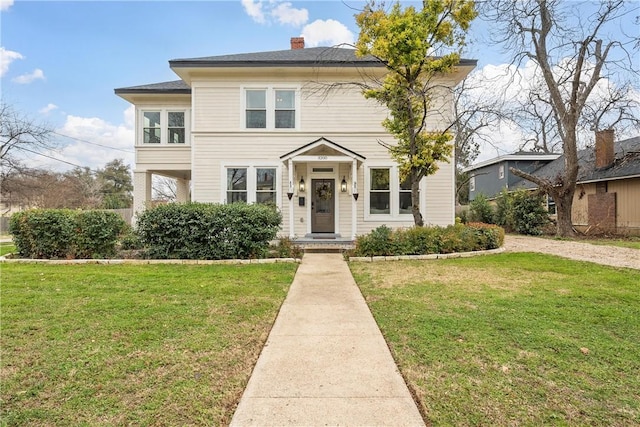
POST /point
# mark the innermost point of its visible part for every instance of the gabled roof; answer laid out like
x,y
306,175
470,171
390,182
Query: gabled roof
x,y
307,57
518,156
175,86
625,165
322,142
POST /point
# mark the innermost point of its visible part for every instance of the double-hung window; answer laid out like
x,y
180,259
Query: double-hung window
x,y
236,185
380,195
176,127
151,127
266,185
285,112
404,198
251,184
256,114
270,108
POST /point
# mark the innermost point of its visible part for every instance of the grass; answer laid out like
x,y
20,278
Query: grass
x,y
630,242
7,248
512,339
161,345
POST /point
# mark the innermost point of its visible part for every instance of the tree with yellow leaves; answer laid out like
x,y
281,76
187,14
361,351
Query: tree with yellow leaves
x,y
415,46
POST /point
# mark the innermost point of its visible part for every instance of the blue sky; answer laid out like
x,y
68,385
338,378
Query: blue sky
x,y
62,60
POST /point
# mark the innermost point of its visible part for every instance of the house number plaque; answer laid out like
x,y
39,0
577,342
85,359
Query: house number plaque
x,y
322,157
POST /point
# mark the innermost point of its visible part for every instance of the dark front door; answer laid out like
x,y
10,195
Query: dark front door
x,y
323,205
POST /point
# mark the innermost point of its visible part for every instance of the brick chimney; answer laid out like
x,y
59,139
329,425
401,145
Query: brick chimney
x,y
297,42
604,149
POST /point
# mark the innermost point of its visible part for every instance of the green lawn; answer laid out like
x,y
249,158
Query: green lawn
x,y
104,345
629,242
512,339
6,248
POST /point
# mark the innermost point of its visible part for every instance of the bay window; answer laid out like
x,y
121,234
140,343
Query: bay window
x,y
151,127
163,126
176,127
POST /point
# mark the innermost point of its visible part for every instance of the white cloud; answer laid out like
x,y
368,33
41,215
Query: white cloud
x,y
49,108
286,14
6,58
116,141
5,4
24,79
254,10
329,33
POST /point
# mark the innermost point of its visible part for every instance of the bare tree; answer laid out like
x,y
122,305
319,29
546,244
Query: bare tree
x,y
573,57
20,133
164,188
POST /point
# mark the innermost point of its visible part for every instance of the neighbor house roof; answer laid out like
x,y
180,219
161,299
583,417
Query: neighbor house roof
x,y
313,56
175,86
518,156
625,165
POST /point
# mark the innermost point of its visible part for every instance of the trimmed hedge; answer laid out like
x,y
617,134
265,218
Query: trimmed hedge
x,y
208,231
429,240
64,233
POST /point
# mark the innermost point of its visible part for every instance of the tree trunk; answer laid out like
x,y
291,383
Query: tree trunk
x,y
564,205
415,202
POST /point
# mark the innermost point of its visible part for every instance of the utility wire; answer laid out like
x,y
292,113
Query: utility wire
x,y
92,143
49,157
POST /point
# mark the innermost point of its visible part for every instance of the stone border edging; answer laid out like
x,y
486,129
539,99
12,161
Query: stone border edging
x,y
148,261
430,256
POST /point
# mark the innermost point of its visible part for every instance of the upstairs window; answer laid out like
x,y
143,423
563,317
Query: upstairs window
x,y
256,109
163,126
285,113
151,127
270,108
176,127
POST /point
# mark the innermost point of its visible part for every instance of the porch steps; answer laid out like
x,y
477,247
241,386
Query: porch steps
x,y
324,243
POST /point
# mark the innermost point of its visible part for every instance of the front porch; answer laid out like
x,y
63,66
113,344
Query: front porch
x,y
324,242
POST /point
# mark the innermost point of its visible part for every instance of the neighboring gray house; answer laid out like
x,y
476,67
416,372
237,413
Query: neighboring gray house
x,y
491,176
607,196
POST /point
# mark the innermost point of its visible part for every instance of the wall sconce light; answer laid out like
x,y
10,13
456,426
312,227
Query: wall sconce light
x,y
301,185
343,185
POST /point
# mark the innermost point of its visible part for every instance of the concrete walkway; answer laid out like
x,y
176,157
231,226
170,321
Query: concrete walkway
x,y
325,361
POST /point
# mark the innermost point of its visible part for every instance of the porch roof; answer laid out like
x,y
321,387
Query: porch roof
x,y
321,142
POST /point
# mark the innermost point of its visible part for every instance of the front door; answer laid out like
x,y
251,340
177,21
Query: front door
x,y
323,206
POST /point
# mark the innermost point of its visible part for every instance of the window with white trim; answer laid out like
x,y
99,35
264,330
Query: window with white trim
x,y
270,108
387,197
501,172
163,126
176,127
379,191
151,127
472,183
251,184
256,111
236,185
266,185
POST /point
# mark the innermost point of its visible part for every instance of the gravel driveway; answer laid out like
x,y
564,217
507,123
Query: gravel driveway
x,y
602,254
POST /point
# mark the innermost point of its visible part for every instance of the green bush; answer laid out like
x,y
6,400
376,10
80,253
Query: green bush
x,y
286,248
521,211
529,213
208,231
480,210
63,233
429,240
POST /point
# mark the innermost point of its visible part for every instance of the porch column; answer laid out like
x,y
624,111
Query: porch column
x,y
290,191
182,190
354,202
141,191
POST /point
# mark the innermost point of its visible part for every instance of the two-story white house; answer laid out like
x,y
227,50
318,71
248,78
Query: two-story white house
x,y
281,127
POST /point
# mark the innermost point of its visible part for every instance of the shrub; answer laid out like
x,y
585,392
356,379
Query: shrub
x,y
286,248
480,210
428,240
63,233
529,213
504,210
208,231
